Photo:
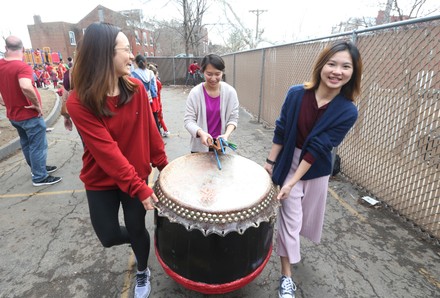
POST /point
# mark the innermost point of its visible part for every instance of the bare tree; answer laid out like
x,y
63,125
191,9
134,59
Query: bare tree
x,y
193,30
135,19
413,9
190,28
156,35
353,24
236,42
240,37
168,37
387,14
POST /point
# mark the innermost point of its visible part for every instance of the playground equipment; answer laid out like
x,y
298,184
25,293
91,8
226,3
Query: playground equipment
x,y
37,56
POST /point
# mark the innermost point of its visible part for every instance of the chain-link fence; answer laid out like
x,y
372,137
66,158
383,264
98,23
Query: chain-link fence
x,y
393,151
174,71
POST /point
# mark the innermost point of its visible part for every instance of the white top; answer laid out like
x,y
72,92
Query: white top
x,y
195,114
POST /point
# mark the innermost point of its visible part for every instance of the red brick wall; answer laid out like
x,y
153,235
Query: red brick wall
x,y
54,35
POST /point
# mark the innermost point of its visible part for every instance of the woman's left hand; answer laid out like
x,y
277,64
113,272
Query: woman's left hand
x,y
68,123
224,137
285,191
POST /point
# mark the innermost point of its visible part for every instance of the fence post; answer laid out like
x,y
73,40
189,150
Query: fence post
x,y
174,71
233,72
354,37
260,104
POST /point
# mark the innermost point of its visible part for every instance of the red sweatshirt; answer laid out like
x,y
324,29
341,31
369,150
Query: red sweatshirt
x,y
118,150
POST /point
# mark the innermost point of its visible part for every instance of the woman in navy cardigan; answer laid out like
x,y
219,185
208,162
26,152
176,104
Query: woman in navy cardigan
x,y
315,117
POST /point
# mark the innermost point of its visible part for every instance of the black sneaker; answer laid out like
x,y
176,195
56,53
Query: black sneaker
x,y
48,181
287,287
51,169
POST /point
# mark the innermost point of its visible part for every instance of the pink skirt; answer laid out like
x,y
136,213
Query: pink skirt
x,y
302,213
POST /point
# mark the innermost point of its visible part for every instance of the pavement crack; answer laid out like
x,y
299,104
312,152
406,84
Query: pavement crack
x,y
56,229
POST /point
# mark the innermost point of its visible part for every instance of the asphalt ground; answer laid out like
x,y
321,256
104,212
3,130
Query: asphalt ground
x,y
48,247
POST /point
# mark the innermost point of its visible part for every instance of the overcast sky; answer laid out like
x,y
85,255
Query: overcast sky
x,y
284,21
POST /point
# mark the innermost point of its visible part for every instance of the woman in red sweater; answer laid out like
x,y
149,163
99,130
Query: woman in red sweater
x,y
121,140
166,132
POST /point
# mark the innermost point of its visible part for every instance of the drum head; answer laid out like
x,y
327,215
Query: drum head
x,y
193,191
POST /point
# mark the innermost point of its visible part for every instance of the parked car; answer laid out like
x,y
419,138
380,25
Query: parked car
x,y
183,55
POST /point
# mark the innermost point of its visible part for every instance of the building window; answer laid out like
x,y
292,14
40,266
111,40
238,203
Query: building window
x,y
146,54
144,35
136,34
72,38
151,41
101,15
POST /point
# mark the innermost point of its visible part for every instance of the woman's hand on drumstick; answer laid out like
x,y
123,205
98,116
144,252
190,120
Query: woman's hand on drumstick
x,y
149,202
205,137
224,137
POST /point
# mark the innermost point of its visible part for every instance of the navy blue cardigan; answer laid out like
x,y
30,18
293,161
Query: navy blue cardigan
x,y
327,133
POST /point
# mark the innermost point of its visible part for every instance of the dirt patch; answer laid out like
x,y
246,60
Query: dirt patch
x,y
8,132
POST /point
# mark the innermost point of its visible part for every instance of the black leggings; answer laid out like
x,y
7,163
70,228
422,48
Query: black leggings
x,y
104,208
156,119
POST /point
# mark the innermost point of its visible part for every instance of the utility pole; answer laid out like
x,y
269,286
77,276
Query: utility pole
x,y
257,12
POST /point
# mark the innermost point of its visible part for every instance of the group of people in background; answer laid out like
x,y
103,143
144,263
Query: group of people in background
x,y
149,75
118,114
48,73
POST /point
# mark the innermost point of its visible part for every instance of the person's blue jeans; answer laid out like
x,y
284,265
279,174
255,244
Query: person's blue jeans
x,y
33,142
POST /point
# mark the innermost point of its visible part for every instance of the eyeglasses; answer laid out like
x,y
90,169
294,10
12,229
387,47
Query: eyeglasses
x,y
126,49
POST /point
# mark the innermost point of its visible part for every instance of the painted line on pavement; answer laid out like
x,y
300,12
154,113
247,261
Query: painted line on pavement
x,y
128,276
346,205
49,193
429,277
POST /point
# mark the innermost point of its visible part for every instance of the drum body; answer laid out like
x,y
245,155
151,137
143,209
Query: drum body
x,y
214,227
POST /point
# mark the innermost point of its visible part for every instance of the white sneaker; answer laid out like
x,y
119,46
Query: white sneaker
x,y
166,134
143,286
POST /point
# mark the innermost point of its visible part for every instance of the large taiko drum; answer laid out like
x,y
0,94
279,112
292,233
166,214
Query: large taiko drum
x,y
214,227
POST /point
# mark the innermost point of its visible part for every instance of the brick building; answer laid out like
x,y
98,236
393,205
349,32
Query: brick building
x,y
62,37
382,19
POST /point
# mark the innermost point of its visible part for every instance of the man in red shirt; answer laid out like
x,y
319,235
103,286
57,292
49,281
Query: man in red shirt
x,y
23,109
193,69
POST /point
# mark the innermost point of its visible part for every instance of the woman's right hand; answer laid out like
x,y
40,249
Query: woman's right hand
x,y
268,168
149,202
205,137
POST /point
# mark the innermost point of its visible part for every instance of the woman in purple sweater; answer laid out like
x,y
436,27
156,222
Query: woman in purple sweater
x,y
315,117
211,107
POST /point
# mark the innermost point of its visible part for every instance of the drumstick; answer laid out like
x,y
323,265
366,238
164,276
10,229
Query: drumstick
x,y
218,160
230,145
221,145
